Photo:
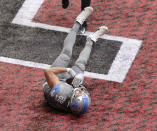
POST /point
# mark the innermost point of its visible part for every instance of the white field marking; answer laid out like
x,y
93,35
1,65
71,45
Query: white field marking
x,y
24,63
122,61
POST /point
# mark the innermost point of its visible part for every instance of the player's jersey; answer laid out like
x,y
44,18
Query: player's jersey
x,y
58,96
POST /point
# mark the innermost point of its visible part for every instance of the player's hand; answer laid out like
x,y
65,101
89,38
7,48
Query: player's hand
x,y
71,72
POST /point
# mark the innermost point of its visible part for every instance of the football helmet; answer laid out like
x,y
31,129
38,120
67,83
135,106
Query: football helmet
x,y
80,101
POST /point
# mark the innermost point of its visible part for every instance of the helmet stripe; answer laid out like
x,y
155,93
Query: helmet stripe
x,y
75,105
85,105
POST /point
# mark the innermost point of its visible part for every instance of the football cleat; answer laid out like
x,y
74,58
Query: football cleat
x,y
84,15
101,31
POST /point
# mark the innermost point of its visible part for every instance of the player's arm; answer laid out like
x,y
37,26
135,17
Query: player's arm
x,y
51,76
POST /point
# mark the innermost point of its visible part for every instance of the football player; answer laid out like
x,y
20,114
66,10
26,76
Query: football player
x,y
64,88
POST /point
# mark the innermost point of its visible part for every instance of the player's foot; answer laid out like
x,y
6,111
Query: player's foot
x,y
101,31
84,15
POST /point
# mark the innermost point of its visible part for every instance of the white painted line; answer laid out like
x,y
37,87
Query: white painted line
x,y
122,61
27,12
24,63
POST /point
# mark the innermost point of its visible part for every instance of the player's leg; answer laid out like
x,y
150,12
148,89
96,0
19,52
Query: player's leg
x,y
64,58
65,3
81,62
79,66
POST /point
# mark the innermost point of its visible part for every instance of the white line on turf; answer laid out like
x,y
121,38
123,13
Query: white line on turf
x,y
23,63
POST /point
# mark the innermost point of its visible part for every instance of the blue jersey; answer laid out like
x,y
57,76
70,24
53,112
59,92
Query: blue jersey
x,y
58,96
